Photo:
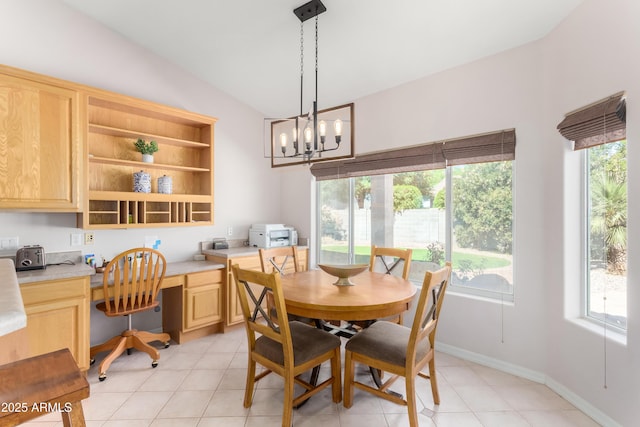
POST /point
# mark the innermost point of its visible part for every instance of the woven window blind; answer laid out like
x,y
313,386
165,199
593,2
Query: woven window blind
x,y
489,147
599,123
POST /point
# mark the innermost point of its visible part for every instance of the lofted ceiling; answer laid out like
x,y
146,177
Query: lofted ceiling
x,y
250,49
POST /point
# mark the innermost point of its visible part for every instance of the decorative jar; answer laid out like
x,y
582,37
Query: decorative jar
x,y
165,184
141,182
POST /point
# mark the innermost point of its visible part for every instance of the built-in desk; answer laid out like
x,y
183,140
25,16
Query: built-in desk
x,y
57,304
192,296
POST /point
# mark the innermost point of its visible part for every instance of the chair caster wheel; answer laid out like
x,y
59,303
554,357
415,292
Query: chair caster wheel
x,y
154,363
92,361
166,345
102,377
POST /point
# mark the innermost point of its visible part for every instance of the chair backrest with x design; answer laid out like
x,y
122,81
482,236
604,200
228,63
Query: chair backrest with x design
x,y
388,260
430,301
252,292
283,259
287,349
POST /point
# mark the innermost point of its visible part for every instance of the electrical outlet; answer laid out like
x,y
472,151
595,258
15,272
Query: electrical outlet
x,y
229,231
76,239
88,238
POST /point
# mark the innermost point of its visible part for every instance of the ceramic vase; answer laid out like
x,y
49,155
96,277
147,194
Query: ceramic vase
x,y
141,182
165,184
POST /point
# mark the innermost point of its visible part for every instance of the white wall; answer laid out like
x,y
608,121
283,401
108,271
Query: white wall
x,y
595,53
592,54
50,38
529,88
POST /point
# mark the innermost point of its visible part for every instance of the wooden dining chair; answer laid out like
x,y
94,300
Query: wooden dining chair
x,y
131,283
390,260
288,349
399,350
282,260
394,261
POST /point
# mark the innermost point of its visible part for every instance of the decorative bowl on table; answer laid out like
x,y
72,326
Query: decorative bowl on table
x,y
343,272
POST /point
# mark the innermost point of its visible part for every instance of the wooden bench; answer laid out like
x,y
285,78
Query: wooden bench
x,y
38,385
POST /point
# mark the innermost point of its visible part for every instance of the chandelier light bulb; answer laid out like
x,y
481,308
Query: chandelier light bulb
x,y
283,139
323,127
337,126
307,134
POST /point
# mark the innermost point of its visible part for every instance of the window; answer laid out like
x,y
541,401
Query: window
x,y
481,246
600,130
461,213
606,233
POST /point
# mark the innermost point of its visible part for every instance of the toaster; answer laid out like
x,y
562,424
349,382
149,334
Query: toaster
x,y
30,258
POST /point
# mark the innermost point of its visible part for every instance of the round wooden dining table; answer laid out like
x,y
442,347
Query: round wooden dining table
x,y
373,296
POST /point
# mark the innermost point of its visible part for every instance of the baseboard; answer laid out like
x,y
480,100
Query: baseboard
x,y
491,362
577,401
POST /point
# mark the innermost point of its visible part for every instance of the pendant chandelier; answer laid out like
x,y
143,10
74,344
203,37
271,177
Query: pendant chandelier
x,y
306,137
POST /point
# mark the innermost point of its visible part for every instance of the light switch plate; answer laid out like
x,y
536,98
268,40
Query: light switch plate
x,y
9,243
76,239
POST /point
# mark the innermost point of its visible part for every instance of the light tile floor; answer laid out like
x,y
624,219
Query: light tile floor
x,y
201,384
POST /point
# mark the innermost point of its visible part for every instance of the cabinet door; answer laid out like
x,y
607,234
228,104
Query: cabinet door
x,y
58,317
39,145
234,312
203,306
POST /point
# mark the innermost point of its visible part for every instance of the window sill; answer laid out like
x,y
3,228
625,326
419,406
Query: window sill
x,y
496,299
597,328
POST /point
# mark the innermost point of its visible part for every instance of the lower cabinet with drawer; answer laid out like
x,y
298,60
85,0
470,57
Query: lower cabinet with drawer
x,y
249,262
195,309
58,317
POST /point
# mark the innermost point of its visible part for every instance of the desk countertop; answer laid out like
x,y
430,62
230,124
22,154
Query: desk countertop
x,y
232,252
236,252
65,271
54,272
12,315
174,269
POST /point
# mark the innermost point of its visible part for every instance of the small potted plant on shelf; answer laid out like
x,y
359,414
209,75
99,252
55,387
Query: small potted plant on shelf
x,y
147,149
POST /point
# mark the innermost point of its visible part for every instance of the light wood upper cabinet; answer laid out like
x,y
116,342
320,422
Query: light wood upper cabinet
x,y
39,143
66,147
185,141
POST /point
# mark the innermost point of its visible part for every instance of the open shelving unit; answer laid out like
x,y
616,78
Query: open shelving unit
x,y
185,141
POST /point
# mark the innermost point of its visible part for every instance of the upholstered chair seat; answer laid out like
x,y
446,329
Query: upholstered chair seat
x,y
308,343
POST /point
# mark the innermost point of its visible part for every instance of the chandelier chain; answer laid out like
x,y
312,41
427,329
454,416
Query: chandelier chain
x,y
301,68
301,49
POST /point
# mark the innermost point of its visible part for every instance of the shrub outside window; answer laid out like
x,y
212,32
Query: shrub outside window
x,y
606,233
471,225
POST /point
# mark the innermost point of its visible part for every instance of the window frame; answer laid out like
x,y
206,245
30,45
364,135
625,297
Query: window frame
x,y
458,289
585,288
470,291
